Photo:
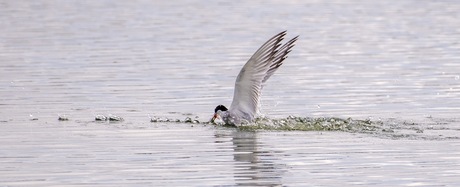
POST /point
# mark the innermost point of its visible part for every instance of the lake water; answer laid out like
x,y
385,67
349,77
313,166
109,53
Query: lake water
x,y
395,64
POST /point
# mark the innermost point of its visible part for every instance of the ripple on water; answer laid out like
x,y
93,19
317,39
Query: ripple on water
x,y
432,128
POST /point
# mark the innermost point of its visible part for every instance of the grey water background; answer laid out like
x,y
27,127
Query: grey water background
x,y
391,61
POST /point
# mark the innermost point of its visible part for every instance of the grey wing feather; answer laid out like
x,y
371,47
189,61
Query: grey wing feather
x,y
279,57
256,71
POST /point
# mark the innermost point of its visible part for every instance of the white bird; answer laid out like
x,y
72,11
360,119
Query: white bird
x,y
249,83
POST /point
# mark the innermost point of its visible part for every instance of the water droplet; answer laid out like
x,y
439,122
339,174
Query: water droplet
x,y
100,117
62,117
32,117
188,120
457,77
114,118
318,106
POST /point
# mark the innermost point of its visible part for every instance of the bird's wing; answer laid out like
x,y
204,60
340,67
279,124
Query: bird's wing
x,y
257,70
279,57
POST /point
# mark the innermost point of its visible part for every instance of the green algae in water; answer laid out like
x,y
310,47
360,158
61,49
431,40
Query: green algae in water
x,y
293,123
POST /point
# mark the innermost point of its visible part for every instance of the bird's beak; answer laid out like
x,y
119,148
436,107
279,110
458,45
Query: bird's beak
x,y
214,117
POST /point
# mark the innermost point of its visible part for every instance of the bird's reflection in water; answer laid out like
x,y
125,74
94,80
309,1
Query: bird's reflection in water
x,y
254,164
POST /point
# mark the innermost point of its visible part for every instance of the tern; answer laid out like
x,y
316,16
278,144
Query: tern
x,y
251,79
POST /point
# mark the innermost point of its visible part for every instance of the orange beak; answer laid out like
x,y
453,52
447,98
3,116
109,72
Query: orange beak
x,y
214,117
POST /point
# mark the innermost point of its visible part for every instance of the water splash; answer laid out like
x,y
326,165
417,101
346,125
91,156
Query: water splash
x,y
62,117
293,123
109,117
32,118
431,129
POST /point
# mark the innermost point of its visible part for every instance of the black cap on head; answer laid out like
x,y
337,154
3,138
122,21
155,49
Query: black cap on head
x,y
221,108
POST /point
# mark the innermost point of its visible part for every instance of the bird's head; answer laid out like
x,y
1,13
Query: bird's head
x,y
217,111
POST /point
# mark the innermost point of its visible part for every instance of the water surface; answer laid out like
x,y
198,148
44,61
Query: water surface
x,y
393,63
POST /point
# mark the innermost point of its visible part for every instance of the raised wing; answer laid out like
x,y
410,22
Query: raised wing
x,y
279,57
256,71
